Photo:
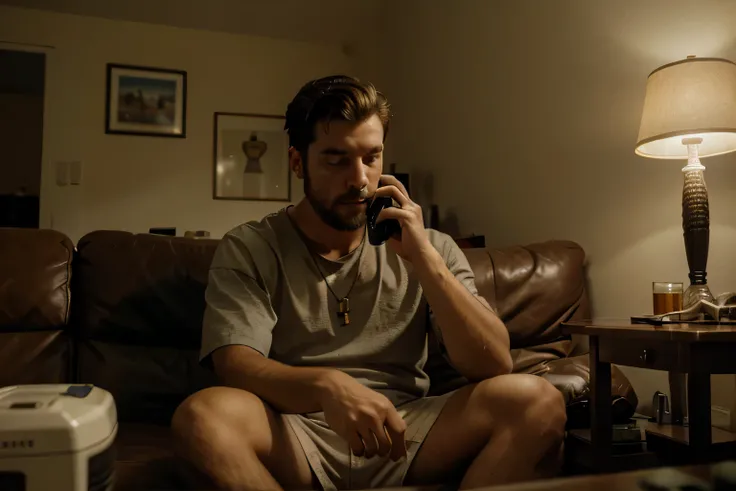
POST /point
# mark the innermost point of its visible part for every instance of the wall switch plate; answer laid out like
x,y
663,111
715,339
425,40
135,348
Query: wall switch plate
x,y
62,173
720,417
75,173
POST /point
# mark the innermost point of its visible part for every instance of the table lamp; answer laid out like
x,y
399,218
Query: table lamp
x,y
690,112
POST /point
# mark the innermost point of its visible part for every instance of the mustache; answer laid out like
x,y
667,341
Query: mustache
x,y
355,195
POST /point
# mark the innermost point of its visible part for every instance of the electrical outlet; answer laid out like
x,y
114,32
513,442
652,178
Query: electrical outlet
x,y
720,417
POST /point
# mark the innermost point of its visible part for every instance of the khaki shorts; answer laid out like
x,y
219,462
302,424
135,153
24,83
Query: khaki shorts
x,y
336,467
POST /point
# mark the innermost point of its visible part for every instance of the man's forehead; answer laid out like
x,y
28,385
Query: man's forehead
x,y
348,133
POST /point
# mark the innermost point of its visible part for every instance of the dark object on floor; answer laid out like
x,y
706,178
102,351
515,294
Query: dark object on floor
x,y
171,231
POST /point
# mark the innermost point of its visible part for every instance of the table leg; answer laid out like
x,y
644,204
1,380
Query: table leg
x,y
600,407
678,401
698,401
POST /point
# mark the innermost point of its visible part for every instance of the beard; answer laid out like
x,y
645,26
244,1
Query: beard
x,y
330,214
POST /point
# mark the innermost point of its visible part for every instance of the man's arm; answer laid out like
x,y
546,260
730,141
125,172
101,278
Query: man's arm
x,y
365,419
238,323
476,340
288,389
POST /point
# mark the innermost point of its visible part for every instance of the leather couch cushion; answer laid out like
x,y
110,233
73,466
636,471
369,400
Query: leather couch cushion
x,y
34,358
145,458
35,268
137,314
148,383
141,289
535,287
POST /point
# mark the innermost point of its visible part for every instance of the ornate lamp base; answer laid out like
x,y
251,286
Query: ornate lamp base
x,y
695,225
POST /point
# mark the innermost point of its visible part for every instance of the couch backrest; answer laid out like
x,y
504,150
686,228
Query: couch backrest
x,y
138,302
137,316
35,268
534,288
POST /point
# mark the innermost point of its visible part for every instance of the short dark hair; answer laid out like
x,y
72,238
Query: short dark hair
x,y
337,97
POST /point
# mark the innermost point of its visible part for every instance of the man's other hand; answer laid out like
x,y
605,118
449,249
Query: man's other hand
x,y
367,420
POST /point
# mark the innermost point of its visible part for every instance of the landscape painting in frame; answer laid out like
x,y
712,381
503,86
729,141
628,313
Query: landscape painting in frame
x,y
250,158
146,101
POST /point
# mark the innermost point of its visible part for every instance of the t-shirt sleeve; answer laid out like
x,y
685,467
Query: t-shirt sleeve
x,y
238,307
457,262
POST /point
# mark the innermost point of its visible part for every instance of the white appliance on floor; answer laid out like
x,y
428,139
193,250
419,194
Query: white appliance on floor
x,y
57,437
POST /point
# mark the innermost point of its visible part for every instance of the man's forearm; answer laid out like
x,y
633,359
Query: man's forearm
x,y
290,390
476,339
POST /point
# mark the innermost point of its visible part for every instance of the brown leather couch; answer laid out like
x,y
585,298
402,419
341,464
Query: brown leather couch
x,y
124,311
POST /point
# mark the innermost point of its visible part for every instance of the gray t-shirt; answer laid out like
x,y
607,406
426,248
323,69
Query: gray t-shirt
x,y
266,292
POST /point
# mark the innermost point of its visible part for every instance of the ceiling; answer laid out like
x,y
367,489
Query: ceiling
x,y
332,21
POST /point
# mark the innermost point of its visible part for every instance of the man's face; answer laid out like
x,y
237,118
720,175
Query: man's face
x,y
344,158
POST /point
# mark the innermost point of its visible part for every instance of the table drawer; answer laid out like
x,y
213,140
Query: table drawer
x,y
665,355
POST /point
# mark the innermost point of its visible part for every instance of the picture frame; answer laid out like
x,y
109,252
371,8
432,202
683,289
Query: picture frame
x,y
250,158
146,101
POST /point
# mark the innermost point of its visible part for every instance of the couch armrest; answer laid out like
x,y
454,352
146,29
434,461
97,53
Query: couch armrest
x,y
35,268
572,377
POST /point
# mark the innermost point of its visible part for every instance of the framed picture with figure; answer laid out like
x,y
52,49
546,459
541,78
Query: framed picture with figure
x,y
146,101
250,158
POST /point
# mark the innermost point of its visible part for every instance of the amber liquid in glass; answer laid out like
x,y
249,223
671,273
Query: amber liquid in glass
x,y
667,302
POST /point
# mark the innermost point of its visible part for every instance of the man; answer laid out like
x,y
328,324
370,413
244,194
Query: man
x,y
320,338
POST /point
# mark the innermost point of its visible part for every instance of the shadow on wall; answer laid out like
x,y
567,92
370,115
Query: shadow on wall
x,y
423,184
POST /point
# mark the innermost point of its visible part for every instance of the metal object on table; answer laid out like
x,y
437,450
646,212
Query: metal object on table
x,y
662,413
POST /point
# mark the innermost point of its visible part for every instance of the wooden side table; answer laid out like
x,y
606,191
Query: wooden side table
x,y
698,350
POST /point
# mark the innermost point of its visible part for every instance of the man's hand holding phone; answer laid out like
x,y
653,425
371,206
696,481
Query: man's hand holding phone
x,y
412,242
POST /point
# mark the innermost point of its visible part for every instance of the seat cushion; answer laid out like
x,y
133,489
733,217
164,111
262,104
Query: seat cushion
x,y
146,460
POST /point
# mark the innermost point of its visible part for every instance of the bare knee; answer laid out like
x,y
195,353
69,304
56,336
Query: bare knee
x,y
220,418
528,402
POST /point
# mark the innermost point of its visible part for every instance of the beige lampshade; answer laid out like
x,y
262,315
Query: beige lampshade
x,y
695,97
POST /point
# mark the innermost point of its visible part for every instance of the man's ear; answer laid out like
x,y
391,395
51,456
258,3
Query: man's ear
x,y
296,163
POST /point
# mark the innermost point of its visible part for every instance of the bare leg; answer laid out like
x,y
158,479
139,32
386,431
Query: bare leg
x,y
239,442
502,430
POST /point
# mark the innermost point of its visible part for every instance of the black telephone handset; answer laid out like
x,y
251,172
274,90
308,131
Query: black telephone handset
x,y
378,233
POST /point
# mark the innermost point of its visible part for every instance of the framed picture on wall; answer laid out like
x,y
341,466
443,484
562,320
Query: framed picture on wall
x,y
250,158
146,101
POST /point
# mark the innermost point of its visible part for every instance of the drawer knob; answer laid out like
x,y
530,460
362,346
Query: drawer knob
x,y
646,356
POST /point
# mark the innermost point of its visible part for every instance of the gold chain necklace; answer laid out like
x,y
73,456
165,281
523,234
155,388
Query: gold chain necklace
x,y
343,304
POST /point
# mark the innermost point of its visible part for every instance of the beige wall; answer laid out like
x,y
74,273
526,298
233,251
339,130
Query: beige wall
x,y
134,183
524,114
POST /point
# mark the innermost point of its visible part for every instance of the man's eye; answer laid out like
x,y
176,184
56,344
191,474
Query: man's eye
x,y
371,159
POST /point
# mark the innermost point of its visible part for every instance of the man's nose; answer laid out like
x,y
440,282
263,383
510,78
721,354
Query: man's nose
x,y
358,177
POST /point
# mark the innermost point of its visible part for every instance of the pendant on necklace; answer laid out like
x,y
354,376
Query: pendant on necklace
x,y
344,311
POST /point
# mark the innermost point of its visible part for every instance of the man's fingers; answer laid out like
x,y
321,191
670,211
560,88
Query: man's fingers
x,y
384,442
391,180
396,428
369,441
395,213
391,191
356,444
